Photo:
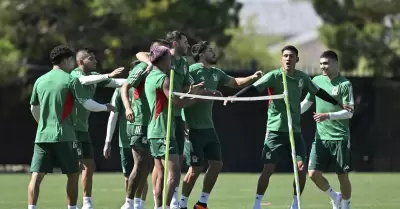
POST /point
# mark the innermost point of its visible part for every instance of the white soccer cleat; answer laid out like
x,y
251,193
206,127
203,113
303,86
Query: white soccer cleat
x,y
126,206
87,207
336,203
175,207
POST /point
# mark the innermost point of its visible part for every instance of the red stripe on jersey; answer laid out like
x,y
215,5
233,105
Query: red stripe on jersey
x,y
269,94
136,93
68,106
161,102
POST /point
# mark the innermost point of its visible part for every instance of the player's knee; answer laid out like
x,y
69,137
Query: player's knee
x,y
314,174
301,166
215,165
36,179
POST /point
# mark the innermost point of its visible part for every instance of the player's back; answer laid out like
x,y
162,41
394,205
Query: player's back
x,y
158,104
56,102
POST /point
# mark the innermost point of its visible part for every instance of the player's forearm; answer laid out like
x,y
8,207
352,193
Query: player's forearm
x,y
340,115
125,95
305,105
112,121
243,82
35,109
144,57
182,103
92,79
247,91
116,82
94,106
326,97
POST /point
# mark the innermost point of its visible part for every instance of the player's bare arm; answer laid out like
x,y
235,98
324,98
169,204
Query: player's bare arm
x,y
35,109
125,100
241,82
179,103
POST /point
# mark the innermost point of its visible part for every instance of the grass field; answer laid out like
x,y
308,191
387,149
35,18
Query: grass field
x,y
233,191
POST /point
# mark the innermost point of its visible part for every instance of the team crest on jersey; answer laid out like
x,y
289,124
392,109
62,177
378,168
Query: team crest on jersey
x,y
195,159
301,83
215,76
335,90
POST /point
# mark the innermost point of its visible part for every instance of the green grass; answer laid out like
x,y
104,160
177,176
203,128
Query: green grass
x,y
232,191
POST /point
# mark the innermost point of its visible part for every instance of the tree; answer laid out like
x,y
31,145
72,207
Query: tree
x,y
246,47
364,32
116,30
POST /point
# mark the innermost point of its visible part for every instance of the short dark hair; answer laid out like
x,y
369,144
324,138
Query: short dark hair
x,y
89,50
59,53
175,35
329,54
199,48
161,41
290,48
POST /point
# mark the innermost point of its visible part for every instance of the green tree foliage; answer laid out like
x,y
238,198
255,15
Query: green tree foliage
x,y
247,46
364,32
116,29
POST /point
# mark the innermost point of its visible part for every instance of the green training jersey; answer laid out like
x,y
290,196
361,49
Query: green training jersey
x,y
181,76
116,101
139,104
158,104
56,93
199,115
81,114
272,83
339,88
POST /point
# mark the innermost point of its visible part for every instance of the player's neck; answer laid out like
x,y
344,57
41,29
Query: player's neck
x,y
82,68
173,53
205,64
289,72
332,77
56,67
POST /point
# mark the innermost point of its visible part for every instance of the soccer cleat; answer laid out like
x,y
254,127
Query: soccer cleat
x,y
200,205
87,207
175,207
126,206
336,203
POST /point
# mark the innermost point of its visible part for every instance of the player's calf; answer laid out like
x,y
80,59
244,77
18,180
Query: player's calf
x,y
174,173
33,189
188,183
345,188
322,183
72,189
89,167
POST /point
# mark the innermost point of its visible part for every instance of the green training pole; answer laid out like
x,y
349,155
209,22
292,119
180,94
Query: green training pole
x,y
291,138
171,87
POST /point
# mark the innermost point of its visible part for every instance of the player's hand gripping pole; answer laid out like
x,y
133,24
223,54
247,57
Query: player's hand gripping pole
x,y
168,138
291,138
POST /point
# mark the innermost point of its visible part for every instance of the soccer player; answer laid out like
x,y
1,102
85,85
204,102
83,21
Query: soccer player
x,y
332,138
277,134
138,114
180,46
86,74
126,131
157,91
51,105
204,139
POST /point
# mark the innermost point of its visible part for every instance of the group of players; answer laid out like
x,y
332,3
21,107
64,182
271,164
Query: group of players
x,y
62,100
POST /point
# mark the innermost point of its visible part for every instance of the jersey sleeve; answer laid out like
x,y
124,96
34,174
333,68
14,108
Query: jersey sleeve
x,y
311,87
80,93
264,82
187,77
34,96
103,83
223,77
116,100
309,96
136,76
347,94
160,81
